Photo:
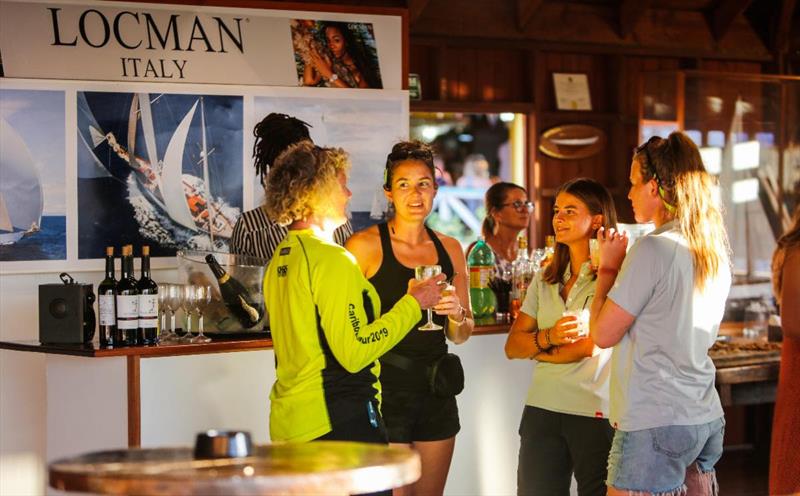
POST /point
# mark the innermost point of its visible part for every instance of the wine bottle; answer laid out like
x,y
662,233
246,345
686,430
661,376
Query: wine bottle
x,y
106,294
127,300
235,296
148,302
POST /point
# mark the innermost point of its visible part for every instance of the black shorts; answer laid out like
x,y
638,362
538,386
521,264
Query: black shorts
x,y
419,416
366,426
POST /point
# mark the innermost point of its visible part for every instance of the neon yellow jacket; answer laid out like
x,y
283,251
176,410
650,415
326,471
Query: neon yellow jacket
x,y
325,336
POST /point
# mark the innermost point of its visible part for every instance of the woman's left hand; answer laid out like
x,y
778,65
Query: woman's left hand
x,y
321,64
613,246
449,303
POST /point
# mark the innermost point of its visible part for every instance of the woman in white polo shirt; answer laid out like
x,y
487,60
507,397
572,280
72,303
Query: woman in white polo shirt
x,y
661,316
564,428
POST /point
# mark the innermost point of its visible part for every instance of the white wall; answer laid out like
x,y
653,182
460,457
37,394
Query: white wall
x,y
228,390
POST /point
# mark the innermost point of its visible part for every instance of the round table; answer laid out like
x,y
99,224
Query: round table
x,y
319,467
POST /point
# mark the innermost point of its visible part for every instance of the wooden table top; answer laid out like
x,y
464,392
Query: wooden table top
x,y
319,467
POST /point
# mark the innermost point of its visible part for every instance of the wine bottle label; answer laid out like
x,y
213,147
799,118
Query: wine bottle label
x,y
107,314
127,311
148,311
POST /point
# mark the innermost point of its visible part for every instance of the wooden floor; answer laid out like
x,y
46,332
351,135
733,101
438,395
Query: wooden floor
x,y
743,473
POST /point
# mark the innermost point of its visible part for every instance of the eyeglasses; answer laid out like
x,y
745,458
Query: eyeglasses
x,y
519,205
652,168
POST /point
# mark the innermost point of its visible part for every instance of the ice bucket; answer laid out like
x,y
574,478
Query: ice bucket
x,y
249,271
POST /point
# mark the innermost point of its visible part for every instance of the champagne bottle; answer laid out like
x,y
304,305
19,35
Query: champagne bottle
x,y
481,265
127,300
148,302
107,309
235,296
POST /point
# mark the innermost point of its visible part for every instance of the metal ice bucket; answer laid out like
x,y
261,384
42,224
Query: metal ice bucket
x,y
249,271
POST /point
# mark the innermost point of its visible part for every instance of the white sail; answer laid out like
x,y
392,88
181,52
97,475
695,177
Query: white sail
x,y
20,186
171,179
147,128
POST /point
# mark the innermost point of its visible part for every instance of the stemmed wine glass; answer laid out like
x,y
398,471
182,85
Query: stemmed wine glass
x,y
188,306
174,302
202,298
421,273
165,335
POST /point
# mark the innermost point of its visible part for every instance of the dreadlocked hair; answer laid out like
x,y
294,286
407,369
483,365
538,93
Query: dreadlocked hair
x,y
274,134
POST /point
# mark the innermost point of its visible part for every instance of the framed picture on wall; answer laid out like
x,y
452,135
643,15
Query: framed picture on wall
x,y
572,91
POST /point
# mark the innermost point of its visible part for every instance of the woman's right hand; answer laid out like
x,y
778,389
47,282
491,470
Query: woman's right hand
x,y
427,292
565,331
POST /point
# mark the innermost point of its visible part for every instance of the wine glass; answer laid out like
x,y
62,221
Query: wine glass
x,y
202,298
421,273
163,294
188,306
174,302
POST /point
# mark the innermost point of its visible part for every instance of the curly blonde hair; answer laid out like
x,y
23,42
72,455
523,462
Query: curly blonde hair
x,y
302,181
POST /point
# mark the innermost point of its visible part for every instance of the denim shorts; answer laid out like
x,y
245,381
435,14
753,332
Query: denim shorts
x,y
655,460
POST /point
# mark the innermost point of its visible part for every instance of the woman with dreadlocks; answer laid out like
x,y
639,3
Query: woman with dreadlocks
x,y
255,234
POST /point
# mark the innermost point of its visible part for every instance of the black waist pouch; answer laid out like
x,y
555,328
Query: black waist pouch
x,y
446,376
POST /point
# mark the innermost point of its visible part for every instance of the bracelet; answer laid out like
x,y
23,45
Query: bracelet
x,y
463,312
536,341
608,270
547,338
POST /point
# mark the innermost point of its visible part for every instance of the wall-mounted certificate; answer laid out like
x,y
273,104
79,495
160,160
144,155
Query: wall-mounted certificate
x,y
572,91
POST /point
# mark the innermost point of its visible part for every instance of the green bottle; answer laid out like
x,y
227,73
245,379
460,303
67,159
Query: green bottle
x,y
480,262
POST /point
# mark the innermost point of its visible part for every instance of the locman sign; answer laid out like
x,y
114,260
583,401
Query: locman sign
x,y
114,41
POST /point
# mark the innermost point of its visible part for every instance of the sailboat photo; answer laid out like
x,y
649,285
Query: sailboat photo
x,y
181,175
32,175
21,188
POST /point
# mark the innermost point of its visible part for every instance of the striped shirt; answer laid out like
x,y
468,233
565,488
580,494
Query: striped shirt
x,y
256,235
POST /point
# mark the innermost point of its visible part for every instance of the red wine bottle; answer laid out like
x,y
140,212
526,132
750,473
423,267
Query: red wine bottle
x,y
106,304
127,300
148,302
235,296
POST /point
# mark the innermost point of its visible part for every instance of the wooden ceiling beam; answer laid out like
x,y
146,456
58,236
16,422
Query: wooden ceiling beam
x,y
630,11
526,11
722,16
415,8
780,42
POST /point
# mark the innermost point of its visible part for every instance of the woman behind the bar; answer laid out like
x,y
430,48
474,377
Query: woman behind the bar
x,y
661,317
564,428
255,234
784,462
508,213
326,321
387,254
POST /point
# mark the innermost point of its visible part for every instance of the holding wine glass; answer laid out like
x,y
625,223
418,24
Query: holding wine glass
x,y
421,273
202,298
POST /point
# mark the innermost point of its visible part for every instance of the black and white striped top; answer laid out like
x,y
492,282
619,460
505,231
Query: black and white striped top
x,y
256,235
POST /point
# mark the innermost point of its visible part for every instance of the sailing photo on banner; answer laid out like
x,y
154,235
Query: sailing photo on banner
x,y
32,176
158,169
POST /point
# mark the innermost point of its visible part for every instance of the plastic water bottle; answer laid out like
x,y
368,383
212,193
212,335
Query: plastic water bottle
x,y
481,266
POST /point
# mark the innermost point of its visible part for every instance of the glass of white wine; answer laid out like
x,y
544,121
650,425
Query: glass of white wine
x,y
421,273
202,298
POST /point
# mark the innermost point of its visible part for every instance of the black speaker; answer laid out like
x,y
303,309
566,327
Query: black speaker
x,y
66,312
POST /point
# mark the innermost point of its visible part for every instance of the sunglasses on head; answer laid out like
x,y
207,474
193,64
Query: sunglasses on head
x,y
519,205
652,168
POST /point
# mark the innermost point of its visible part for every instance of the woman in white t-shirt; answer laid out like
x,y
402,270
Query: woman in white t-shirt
x,y
661,316
564,428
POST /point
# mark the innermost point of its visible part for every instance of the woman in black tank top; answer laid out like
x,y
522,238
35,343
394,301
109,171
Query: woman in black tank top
x,y
387,254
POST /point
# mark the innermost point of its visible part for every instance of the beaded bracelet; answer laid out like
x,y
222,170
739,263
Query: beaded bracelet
x,y
547,338
463,312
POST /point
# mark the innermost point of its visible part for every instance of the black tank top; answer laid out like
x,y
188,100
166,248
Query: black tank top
x,y
391,282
